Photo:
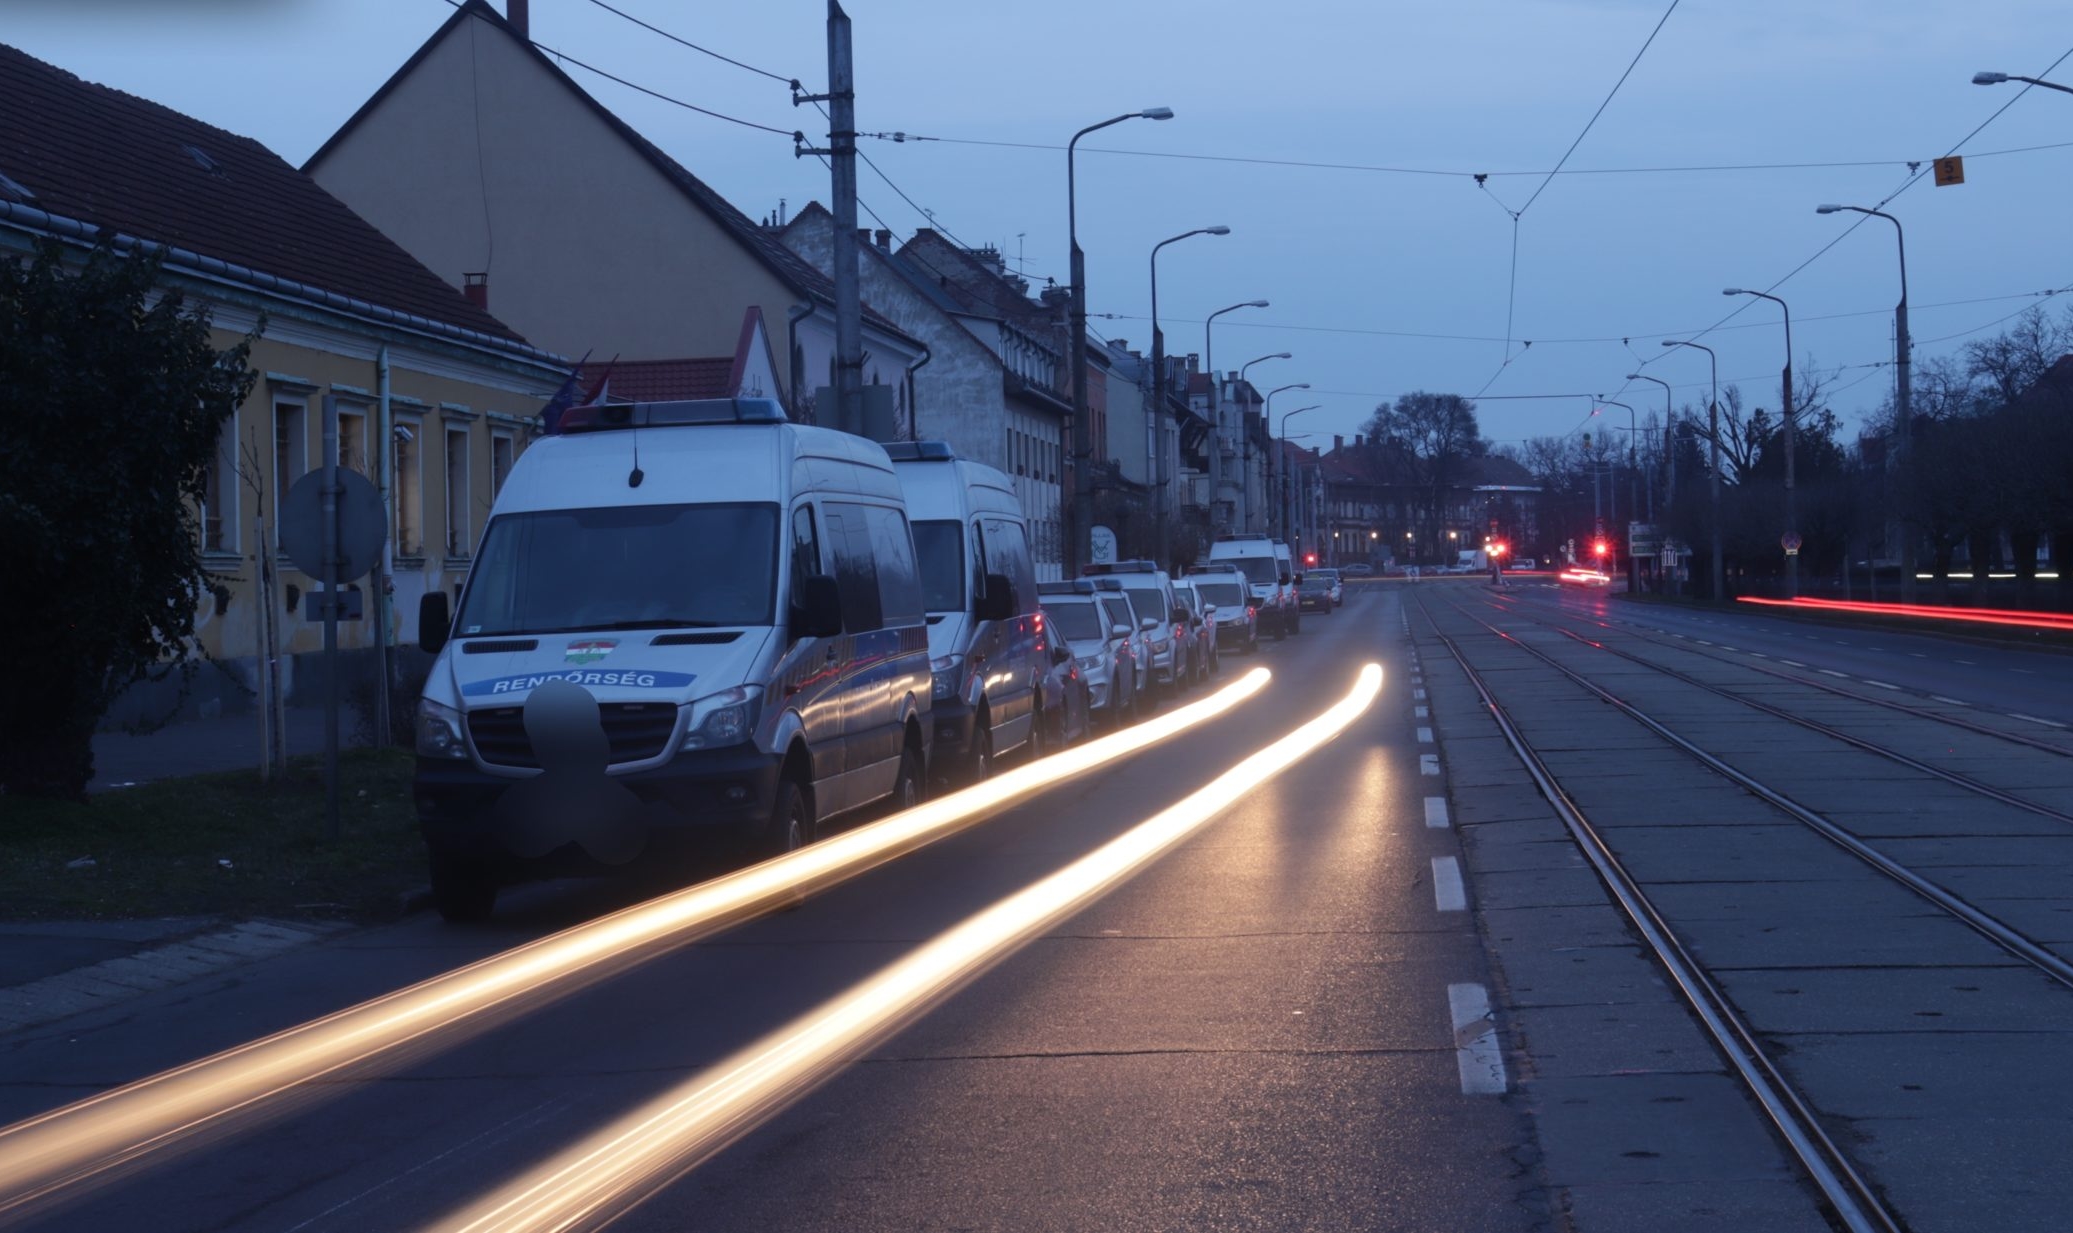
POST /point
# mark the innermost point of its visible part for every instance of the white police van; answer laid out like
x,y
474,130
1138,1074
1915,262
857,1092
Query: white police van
x,y
685,619
978,581
1265,565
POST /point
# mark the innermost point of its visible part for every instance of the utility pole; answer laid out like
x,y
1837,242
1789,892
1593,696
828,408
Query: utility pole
x,y
841,153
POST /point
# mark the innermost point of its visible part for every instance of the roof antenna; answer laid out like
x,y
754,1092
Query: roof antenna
x,y
635,476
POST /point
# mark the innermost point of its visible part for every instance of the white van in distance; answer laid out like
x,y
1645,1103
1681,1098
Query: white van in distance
x,y
1265,566
978,582
685,620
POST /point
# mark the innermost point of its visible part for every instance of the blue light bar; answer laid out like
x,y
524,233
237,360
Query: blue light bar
x,y
920,451
685,413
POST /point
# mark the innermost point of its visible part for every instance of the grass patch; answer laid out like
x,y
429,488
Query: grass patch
x,y
219,845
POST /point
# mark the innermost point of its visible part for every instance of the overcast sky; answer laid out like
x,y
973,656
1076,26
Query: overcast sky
x,y
1356,262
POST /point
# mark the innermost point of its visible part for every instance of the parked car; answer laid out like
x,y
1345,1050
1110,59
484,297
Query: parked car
x,y
1331,576
1159,615
1100,630
1065,716
1357,570
978,581
726,637
1314,594
1237,621
1266,573
1202,657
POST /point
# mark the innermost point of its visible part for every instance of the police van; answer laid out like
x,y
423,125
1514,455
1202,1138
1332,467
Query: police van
x,y
1265,565
987,649
685,620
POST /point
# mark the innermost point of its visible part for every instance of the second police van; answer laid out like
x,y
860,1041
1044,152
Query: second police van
x,y
1266,568
685,619
978,582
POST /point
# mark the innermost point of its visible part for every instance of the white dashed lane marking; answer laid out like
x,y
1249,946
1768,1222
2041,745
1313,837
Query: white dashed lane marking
x,y
1425,736
1418,694
1436,812
1880,684
1421,712
1476,1052
1447,892
2049,723
1950,701
1844,676
1428,764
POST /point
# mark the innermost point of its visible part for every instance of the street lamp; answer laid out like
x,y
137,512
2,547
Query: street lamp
x,y
1903,392
1995,79
1791,495
1288,518
1216,408
1713,480
1633,495
1275,463
1077,545
1245,512
1669,446
1155,445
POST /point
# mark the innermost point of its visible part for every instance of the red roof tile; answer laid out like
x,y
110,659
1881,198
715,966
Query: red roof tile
x,y
114,160
661,380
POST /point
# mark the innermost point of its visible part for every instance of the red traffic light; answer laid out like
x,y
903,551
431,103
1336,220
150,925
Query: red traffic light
x,y
1497,550
1309,558
1600,547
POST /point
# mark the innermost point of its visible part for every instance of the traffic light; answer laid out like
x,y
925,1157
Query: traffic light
x,y
1309,558
1497,550
1600,547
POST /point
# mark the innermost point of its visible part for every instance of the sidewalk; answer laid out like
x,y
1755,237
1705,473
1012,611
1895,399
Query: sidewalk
x,y
202,745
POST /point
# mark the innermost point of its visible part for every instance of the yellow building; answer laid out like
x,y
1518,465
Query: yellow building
x,y
436,398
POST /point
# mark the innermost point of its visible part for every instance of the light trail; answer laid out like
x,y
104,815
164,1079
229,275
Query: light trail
x,y
44,1157
1980,616
613,1169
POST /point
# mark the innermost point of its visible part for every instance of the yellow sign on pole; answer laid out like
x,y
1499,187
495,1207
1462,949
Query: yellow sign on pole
x,y
1950,170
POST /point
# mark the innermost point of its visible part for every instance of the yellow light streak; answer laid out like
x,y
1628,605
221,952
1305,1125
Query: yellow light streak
x,y
45,1156
614,1168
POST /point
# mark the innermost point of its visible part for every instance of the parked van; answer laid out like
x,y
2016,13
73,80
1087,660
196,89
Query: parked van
x,y
1266,574
978,583
1160,617
1292,600
685,619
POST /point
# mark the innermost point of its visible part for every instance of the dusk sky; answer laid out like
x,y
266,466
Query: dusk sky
x,y
1382,281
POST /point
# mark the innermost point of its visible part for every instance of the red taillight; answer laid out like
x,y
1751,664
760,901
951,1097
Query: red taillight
x,y
1179,632
1251,612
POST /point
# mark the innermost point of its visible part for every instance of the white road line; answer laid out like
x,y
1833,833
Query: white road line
x,y
1475,1041
1951,701
1425,736
1447,892
1795,663
1832,672
1918,655
1421,712
1968,663
1436,812
1702,642
1759,654
2049,723
1880,684
1428,764
1418,694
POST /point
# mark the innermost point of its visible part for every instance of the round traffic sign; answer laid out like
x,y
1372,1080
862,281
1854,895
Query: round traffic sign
x,y
1789,541
362,524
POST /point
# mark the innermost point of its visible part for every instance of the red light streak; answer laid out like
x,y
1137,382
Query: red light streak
x,y
1979,616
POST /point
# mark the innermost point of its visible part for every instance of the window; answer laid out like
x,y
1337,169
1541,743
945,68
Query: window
x,y
503,451
939,543
219,498
806,550
856,573
1007,552
291,448
458,541
899,582
352,441
408,497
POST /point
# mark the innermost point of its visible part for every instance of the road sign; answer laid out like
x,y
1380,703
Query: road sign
x,y
362,524
1790,542
1950,170
1103,543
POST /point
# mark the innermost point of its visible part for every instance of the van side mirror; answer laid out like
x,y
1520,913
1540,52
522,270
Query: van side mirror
x,y
1119,630
1284,580
1181,615
1060,653
996,602
1299,580
817,609
434,622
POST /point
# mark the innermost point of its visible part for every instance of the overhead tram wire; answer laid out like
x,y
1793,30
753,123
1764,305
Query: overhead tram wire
x,y
1645,44
791,81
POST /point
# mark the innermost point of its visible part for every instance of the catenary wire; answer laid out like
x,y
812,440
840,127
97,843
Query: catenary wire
x,y
1588,124
693,46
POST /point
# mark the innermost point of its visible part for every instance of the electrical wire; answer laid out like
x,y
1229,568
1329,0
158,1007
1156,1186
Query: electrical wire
x,y
792,81
1559,163
657,94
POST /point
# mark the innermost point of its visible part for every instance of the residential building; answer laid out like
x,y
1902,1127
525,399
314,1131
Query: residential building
x,y
1374,507
485,160
436,398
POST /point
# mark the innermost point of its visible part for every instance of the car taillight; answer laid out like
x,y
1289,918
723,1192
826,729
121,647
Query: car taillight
x,y
1179,632
1251,612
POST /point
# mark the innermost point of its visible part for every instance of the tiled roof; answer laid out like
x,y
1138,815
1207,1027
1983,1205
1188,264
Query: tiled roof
x,y
661,380
113,160
760,243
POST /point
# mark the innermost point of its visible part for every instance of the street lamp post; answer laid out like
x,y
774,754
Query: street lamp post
x,y
1078,543
1713,480
1633,495
1669,447
1216,409
1903,392
1155,458
1995,79
1785,401
1274,464
1288,470
1245,514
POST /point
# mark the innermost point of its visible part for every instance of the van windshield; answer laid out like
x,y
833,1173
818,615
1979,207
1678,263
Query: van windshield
x,y
940,545
1225,595
1150,604
623,567
1260,571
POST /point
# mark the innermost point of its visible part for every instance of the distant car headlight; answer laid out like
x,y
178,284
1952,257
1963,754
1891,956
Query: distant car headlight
x,y
723,719
946,676
439,731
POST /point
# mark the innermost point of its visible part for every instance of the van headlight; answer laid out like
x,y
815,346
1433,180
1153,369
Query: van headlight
x,y
946,673
439,731
1089,663
723,719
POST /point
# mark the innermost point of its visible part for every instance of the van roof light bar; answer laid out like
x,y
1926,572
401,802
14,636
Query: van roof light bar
x,y
1120,567
685,413
920,451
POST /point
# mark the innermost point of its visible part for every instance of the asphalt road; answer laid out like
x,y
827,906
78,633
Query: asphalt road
x,y
1253,1033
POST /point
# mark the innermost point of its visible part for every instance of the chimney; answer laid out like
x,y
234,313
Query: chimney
x,y
1338,443
864,236
1055,298
518,15
885,240
476,286
1356,440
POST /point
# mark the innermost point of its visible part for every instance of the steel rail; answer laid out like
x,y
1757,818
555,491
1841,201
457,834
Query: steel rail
x,y
1848,1193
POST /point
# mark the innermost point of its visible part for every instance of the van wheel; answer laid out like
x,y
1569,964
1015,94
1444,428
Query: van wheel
x,y
907,785
791,823
979,768
463,891
1039,734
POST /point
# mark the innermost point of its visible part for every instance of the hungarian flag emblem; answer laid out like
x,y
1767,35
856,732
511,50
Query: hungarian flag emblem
x,y
590,651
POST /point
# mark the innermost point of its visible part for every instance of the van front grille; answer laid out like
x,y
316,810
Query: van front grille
x,y
636,732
